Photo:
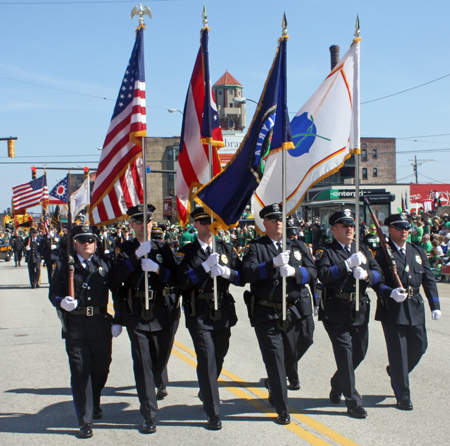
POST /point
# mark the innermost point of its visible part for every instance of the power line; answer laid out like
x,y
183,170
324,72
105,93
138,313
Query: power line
x,y
404,91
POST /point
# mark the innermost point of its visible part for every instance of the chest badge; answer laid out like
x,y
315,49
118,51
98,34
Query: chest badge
x,y
159,258
224,259
297,255
407,269
101,271
419,259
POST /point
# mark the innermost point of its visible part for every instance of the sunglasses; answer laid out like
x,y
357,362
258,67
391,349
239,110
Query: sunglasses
x,y
205,221
274,219
401,227
85,239
140,221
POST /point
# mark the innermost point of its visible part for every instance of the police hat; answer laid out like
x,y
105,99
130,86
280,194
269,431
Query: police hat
x,y
344,217
400,220
84,230
291,227
138,211
157,233
271,211
199,214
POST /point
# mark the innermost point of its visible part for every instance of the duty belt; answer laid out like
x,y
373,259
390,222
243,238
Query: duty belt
x,y
210,295
347,296
153,293
88,311
276,306
412,291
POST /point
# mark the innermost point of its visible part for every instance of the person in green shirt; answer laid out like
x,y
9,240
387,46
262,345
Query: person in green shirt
x,y
417,233
186,237
426,244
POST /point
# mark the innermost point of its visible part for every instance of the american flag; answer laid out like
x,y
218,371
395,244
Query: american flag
x,y
201,126
30,194
118,184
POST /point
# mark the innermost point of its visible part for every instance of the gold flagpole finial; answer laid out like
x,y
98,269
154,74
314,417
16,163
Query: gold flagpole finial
x,y
357,29
141,11
205,16
284,24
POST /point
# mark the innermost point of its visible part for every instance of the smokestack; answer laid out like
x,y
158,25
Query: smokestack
x,y
334,54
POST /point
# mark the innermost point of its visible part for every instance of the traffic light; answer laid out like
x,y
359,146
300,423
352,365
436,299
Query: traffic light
x,y
11,152
33,173
86,172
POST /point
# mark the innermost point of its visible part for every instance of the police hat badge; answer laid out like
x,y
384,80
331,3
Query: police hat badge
x,y
224,259
348,213
85,228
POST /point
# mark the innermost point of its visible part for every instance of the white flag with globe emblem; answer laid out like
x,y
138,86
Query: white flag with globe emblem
x,y
80,198
324,137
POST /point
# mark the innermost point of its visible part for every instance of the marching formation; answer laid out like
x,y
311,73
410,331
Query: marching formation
x,y
151,285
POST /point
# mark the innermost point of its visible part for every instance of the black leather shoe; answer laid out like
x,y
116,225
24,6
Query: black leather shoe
x,y
284,418
357,412
266,383
86,431
214,423
294,384
335,397
405,405
200,396
37,285
98,413
149,426
161,393
388,370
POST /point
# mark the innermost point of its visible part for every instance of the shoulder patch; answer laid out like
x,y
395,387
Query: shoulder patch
x,y
180,257
374,253
245,250
117,251
318,254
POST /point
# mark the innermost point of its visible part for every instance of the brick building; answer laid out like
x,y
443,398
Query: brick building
x,y
378,162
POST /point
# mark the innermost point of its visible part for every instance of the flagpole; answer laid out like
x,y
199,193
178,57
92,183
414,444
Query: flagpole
x,y
357,151
283,198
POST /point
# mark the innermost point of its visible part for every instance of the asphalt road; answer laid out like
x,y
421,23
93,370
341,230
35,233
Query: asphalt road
x,y
36,404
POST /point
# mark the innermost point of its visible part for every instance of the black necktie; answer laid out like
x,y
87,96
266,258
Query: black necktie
x,y
279,246
208,251
402,251
349,250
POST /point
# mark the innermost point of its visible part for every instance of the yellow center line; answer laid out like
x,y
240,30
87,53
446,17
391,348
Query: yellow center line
x,y
295,413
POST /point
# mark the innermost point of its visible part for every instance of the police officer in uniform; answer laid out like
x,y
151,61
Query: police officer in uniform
x,y
264,265
150,323
210,329
17,244
34,253
86,323
401,310
339,267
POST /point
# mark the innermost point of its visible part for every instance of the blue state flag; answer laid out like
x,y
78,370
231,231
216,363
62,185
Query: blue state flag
x,y
58,195
228,193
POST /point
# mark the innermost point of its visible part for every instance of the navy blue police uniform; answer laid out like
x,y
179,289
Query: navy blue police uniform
x,y
34,258
404,322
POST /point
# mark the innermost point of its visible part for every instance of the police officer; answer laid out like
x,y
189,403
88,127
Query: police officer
x,y
17,244
339,267
149,318
401,310
49,248
210,329
264,265
34,253
86,323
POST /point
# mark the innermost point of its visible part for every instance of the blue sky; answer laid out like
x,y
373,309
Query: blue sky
x,y
83,47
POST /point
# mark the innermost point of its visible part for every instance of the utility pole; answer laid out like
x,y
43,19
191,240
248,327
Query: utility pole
x,y
416,165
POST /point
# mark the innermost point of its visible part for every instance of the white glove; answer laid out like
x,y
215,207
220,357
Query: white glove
x,y
49,236
149,265
281,259
145,248
106,251
355,260
211,261
399,294
435,315
360,274
27,248
316,311
69,303
116,330
287,271
220,270
53,246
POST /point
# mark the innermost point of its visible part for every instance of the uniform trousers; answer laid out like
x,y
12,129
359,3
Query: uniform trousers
x,y
350,344
211,347
162,380
279,349
150,352
89,361
405,345
49,265
18,256
34,272
305,340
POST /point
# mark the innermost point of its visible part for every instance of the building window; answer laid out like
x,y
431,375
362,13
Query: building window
x,y
170,176
231,105
220,92
374,153
375,172
231,124
170,155
364,155
364,173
